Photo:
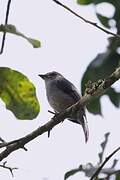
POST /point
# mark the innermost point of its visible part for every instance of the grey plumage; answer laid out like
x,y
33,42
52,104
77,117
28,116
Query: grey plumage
x,y
61,94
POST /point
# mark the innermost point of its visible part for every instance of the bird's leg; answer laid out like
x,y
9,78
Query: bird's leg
x,y
55,114
49,133
50,129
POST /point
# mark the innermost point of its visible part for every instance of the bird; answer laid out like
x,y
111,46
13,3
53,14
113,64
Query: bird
x,y
61,94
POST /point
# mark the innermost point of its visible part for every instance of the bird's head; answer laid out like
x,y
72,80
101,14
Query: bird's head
x,y
50,75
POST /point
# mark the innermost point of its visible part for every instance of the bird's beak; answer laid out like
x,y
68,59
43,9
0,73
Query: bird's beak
x,y
43,76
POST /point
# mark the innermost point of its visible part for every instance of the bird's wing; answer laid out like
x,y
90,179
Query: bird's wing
x,y
68,88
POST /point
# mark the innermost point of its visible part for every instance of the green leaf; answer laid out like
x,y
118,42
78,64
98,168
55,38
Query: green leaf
x,y
12,29
104,20
72,172
18,93
118,176
34,42
110,1
114,96
84,2
95,106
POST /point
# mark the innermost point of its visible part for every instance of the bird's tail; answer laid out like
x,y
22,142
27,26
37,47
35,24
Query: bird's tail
x,y
84,124
83,121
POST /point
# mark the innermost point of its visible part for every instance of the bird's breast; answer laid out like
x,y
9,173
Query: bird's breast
x,y
58,100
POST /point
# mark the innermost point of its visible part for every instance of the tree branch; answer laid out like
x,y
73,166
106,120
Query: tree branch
x,y
6,21
102,165
9,168
2,140
85,20
98,88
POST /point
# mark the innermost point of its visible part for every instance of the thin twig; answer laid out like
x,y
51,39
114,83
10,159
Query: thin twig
x,y
6,21
9,168
115,172
95,175
2,140
51,112
114,163
85,20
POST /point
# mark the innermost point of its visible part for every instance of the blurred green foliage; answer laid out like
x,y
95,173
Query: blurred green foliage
x,y
104,63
